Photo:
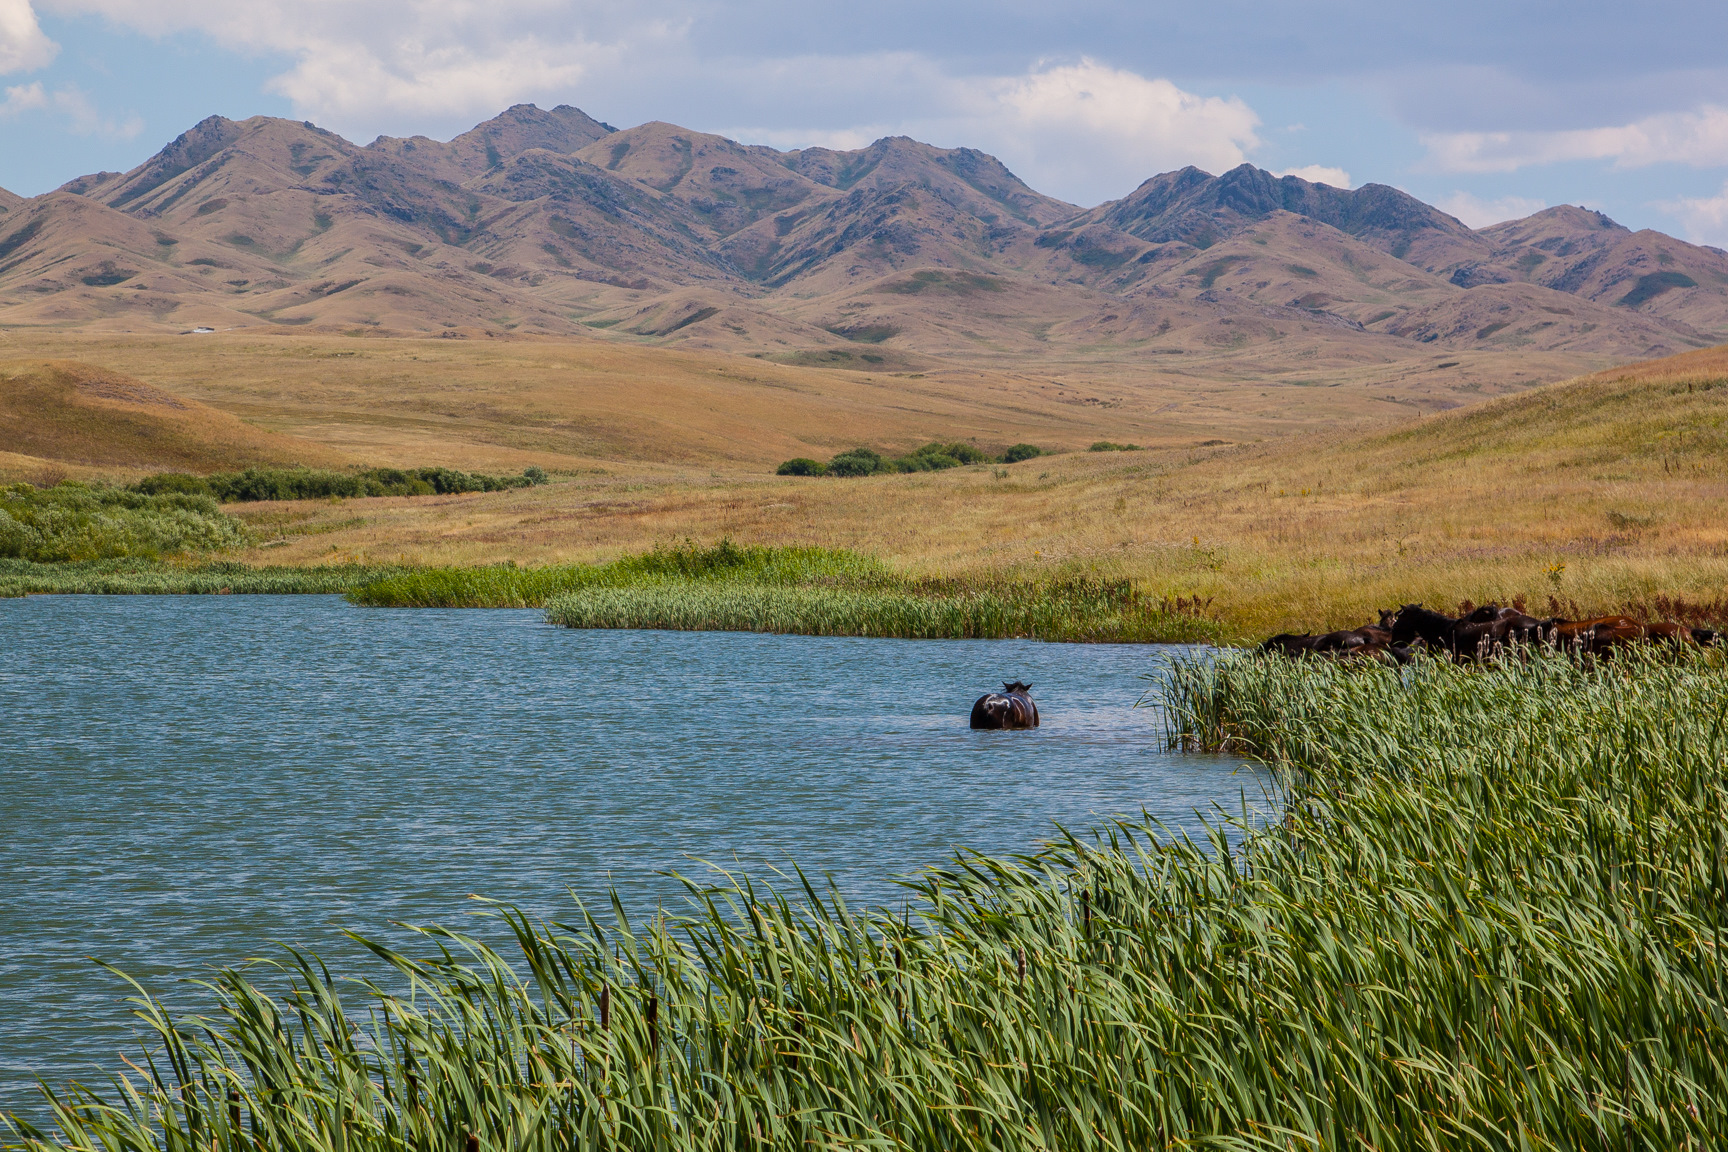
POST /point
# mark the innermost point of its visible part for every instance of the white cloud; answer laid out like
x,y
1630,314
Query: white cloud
x,y
1705,219
1698,137
1319,174
364,65
1084,132
1111,127
82,116
24,98
1081,130
1479,213
23,47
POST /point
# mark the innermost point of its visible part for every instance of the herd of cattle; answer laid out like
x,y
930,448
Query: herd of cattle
x,y
1484,632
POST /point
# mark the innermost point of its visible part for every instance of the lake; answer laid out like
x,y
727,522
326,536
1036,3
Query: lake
x,y
189,779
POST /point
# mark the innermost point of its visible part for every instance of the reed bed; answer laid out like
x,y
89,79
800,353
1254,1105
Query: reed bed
x,y
145,577
1047,614
508,586
1491,917
811,591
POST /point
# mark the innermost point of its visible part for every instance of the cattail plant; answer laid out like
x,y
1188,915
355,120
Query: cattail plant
x,y
1488,914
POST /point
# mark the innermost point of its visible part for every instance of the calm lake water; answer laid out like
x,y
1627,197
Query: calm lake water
x,y
189,779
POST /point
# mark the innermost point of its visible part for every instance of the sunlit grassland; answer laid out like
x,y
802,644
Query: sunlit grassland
x,y
1489,913
1601,494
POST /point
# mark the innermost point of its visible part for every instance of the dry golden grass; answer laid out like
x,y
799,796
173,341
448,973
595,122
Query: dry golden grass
x,y
1600,492
78,418
500,405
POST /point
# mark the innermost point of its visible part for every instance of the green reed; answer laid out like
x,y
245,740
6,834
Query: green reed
x,y
1047,614
1491,917
815,591
508,586
147,577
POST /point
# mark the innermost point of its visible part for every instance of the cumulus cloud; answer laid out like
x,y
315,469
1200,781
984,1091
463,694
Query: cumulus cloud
x,y
1115,126
1479,213
23,47
81,115
1319,174
359,65
1705,219
1698,138
24,98
1083,130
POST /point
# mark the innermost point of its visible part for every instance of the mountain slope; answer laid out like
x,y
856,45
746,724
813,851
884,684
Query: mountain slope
x,y
551,222
486,146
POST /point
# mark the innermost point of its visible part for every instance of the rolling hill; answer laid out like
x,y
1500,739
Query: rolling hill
x,y
59,413
555,224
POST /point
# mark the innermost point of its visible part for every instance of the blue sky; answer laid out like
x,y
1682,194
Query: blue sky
x,y
1491,110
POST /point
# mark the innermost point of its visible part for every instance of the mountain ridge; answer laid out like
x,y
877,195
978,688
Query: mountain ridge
x,y
551,222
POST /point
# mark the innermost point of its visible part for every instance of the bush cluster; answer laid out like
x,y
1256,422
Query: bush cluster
x,y
930,458
313,484
73,521
1112,446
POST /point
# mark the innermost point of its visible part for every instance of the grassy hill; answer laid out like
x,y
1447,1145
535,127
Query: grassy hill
x,y
1264,507
72,417
1599,493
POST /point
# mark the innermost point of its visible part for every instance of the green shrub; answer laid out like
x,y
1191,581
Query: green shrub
x,y
1112,446
315,484
1021,452
73,521
934,457
858,462
802,466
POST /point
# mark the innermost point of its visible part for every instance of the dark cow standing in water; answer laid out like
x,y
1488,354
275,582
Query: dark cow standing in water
x,y
1010,708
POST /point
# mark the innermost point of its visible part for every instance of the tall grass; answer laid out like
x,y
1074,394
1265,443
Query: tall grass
x,y
507,586
1492,918
145,577
73,521
1046,614
814,591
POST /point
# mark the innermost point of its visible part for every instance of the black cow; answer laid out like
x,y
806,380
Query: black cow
x,y
1010,708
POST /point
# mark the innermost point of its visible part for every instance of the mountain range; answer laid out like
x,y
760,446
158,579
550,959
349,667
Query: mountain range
x,y
553,223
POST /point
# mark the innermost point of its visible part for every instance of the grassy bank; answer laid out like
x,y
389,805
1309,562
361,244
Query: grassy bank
x,y
1492,918
145,577
72,522
812,591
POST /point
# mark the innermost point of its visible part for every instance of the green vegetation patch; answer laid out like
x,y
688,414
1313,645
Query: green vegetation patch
x,y
140,577
312,484
1070,613
1112,446
73,521
933,457
1487,912
813,591
508,586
